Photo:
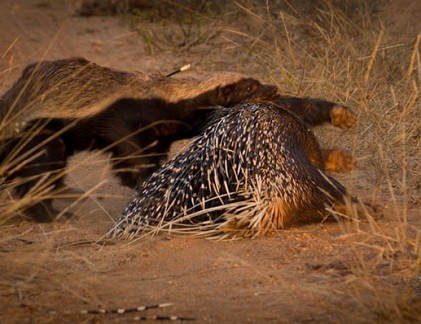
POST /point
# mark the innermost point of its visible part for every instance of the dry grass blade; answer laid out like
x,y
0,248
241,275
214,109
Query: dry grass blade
x,y
415,54
373,56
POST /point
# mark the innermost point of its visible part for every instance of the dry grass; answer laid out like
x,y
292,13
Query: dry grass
x,y
341,53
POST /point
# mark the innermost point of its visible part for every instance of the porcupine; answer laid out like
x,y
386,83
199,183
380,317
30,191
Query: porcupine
x,y
256,167
57,108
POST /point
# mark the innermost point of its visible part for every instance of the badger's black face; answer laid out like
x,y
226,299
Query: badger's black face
x,y
244,90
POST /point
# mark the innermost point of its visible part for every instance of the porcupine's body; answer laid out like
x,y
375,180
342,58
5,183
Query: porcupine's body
x,y
256,168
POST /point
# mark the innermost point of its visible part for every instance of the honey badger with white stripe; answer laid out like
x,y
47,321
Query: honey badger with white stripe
x,y
77,88
58,108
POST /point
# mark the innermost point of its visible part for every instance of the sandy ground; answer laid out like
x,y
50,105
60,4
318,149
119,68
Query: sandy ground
x,y
315,273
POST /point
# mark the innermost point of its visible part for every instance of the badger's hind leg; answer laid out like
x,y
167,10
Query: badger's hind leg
x,y
43,173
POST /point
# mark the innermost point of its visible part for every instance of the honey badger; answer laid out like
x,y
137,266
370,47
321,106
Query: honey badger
x,y
76,88
58,108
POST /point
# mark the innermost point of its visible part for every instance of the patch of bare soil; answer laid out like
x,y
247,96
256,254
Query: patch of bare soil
x,y
330,272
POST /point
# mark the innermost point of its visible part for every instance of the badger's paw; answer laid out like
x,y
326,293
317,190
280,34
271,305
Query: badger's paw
x,y
337,160
342,117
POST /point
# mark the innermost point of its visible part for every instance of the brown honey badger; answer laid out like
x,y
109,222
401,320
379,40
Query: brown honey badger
x,y
57,108
77,88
